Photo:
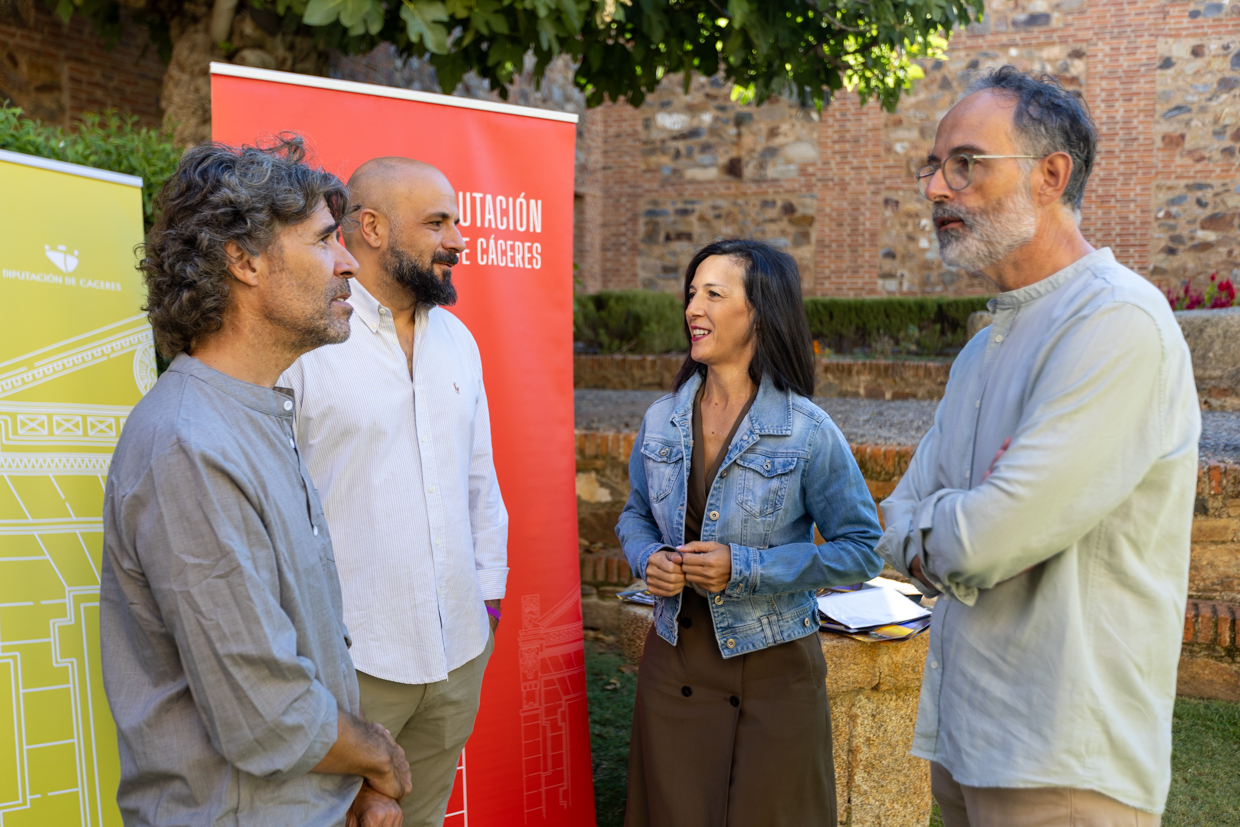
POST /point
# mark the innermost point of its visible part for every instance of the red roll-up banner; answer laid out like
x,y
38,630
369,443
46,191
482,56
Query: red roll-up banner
x,y
528,762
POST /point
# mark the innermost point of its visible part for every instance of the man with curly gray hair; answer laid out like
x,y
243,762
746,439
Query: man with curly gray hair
x,y
225,655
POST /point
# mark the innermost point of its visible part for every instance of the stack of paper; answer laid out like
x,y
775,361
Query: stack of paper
x,y
642,596
873,613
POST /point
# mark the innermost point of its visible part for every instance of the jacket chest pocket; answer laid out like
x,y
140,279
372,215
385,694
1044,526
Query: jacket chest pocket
x,y
764,483
664,465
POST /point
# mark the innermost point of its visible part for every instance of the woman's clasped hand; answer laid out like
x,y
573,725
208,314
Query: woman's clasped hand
x,y
704,564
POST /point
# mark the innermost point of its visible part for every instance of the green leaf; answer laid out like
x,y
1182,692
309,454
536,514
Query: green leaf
x,y
423,22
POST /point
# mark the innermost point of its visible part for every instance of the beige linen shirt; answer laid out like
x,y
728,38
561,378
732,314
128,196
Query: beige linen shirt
x,y
405,470
1053,650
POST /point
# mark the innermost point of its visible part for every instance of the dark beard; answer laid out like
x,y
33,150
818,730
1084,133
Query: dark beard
x,y
421,282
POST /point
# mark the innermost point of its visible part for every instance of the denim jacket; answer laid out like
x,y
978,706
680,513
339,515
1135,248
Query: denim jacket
x,y
787,469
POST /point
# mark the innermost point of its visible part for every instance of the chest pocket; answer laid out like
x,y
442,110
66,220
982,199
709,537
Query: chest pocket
x,y
764,483
664,465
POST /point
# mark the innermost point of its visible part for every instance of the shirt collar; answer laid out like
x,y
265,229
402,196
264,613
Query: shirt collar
x,y
364,305
1015,299
270,401
367,308
771,412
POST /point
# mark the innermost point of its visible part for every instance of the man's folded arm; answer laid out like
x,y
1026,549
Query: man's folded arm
x,y
212,570
1089,435
901,540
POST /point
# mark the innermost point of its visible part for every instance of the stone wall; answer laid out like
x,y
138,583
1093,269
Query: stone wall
x,y
56,72
1161,78
1197,123
673,229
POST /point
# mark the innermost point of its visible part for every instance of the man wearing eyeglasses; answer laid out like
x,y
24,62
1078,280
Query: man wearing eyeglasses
x,y
1050,505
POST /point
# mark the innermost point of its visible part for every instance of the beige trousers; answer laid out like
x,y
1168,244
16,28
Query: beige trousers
x,y
963,806
431,722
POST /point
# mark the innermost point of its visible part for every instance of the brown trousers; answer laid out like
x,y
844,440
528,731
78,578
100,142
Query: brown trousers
x,y
431,722
963,806
741,742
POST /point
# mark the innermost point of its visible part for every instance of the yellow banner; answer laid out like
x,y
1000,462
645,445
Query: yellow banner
x,y
75,356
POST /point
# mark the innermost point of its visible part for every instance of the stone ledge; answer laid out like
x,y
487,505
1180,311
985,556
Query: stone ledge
x,y
848,378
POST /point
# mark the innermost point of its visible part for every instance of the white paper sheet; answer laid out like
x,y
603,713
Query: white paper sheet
x,y
868,608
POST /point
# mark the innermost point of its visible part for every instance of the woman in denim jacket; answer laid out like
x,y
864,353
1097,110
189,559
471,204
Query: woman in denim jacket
x,y
730,474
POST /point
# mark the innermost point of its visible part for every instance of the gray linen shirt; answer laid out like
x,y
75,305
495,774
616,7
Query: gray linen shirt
x,y
225,656
1053,650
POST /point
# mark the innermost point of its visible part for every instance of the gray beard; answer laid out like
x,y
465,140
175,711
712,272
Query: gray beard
x,y
990,235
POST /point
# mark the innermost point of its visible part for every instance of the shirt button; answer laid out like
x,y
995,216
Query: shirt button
x,y
999,337
316,531
686,691
718,600
735,701
934,664
292,444
663,453
424,439
723,473
767,465
731,643
431,489
714,515
807,621
288,405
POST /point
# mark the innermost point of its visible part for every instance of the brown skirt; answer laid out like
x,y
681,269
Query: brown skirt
x,y
742,742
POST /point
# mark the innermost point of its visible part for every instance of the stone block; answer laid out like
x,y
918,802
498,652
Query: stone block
x,y
1202,678
851,664
1214,571
976,322
1214,529
887,787
600,613
1213,338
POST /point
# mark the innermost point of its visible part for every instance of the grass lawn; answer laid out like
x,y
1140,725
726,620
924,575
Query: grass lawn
x,y
1205,760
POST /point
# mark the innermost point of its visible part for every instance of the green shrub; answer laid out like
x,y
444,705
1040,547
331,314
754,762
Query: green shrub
x,y
911,325
629,321
109,141
640,321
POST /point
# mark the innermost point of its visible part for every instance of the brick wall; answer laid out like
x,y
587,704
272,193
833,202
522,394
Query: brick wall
x,y
1161,78
1210,659
57,72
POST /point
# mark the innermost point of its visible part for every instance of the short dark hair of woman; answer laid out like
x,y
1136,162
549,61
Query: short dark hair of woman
x,y
218,194
784,350
1048,118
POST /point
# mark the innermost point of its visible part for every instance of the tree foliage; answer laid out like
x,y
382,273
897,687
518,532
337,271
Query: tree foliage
x,y
804,49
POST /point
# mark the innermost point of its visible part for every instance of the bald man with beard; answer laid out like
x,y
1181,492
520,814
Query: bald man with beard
x,y
394,428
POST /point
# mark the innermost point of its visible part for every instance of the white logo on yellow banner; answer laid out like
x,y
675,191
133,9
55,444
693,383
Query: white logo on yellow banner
x,y
75,356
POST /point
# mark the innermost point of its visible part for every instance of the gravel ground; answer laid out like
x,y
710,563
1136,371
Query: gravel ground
x,y
902,422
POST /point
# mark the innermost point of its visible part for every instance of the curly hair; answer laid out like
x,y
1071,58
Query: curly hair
x,y
221,194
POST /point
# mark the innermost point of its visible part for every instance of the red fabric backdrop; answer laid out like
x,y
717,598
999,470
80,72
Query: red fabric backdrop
x,y
528,761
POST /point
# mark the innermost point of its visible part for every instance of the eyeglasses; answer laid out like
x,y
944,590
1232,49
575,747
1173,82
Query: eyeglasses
x,y
957,170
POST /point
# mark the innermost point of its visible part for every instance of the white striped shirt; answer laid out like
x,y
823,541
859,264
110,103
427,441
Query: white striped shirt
x,y
404,469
